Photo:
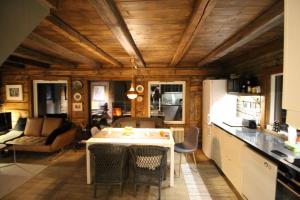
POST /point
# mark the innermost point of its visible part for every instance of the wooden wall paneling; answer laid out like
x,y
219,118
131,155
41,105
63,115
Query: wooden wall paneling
x,y
268,20
26,61
69,32
201,11
110,14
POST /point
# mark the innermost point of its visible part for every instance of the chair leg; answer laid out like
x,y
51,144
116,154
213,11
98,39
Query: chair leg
x,y
179,165
95,189
135,189
194,157
159,191
121,189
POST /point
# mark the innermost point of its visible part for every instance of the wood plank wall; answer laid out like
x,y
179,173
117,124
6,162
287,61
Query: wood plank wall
x,y
193,78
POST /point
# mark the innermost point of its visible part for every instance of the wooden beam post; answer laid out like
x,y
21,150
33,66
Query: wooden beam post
x,y
24,52
268,20
69,32
60,50
200,13
111,16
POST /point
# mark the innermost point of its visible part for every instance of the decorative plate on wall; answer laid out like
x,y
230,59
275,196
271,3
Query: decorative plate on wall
x,y
139,99
139,89
77,85
77,96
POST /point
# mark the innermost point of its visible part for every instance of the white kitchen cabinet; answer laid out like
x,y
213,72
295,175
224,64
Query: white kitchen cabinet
x,y
216,145
259,176
232,162
291,69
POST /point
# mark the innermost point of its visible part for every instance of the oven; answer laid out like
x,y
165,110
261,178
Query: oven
x,y
288,186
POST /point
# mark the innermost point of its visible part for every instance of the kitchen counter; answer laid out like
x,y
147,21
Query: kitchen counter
x,y
262,142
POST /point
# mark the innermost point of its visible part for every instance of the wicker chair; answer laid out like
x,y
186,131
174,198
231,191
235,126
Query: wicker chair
x,y
149,165
110,164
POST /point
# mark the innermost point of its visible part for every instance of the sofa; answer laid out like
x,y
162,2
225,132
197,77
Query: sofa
x,y
138,122
37,133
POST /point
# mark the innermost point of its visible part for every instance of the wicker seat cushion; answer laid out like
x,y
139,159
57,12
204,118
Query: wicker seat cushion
x,y
148,162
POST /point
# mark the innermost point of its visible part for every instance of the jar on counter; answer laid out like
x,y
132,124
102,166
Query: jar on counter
x,y
258,89
253,90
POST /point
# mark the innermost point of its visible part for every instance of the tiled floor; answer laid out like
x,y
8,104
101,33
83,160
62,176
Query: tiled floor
x,y
65,178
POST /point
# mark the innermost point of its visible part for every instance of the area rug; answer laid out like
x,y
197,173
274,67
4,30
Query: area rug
x,y
11,177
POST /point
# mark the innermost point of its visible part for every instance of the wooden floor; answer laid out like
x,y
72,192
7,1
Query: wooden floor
x,y
65,178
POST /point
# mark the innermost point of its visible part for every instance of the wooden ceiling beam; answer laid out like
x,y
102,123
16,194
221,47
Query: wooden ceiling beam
x,y
69,32
111,16
266,21
13,64
24,52
60,50
26,61
50,4
200,13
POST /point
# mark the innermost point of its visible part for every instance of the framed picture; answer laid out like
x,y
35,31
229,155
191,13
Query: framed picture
x,y
98,93
14,92
77,107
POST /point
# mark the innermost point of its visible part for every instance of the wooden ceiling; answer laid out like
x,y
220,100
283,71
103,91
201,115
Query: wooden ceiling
x,y
158,33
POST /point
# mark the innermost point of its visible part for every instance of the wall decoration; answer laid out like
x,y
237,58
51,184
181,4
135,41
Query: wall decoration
x,y
14,92
139,99
77,107
77,96
98,93
139,89
77,85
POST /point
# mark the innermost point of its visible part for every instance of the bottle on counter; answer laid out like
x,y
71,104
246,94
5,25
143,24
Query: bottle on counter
x,y
249,89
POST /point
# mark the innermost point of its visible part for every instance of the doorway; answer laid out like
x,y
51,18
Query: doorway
x,y
108,102
50,98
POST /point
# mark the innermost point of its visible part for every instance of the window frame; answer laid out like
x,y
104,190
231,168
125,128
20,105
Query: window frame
x,y
272,97
183,83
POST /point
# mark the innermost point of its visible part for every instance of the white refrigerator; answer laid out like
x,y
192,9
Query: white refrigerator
x,y
216,106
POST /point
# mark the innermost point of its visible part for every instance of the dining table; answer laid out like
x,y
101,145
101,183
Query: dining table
x,y
133,136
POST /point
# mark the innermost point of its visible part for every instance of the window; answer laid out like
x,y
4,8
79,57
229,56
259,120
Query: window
x,y
276,111
167,101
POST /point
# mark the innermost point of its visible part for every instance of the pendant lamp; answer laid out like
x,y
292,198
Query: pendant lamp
x,y
131,93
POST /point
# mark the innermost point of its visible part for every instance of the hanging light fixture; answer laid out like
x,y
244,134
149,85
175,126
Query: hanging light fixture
x,y
131,93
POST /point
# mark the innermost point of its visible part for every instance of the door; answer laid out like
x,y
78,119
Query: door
x,y
206,127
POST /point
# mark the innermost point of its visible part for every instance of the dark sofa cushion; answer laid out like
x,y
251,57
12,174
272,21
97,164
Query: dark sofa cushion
x,y
63,128
20,125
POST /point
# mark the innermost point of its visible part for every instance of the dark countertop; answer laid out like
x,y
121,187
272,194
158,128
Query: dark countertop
x,y
262,142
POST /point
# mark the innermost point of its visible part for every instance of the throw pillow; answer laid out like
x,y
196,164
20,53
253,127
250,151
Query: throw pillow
x,y
63,128
20,125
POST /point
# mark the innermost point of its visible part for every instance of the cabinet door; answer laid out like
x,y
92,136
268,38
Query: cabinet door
x,y
216,149
259,176
206,140
233,164
291,70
